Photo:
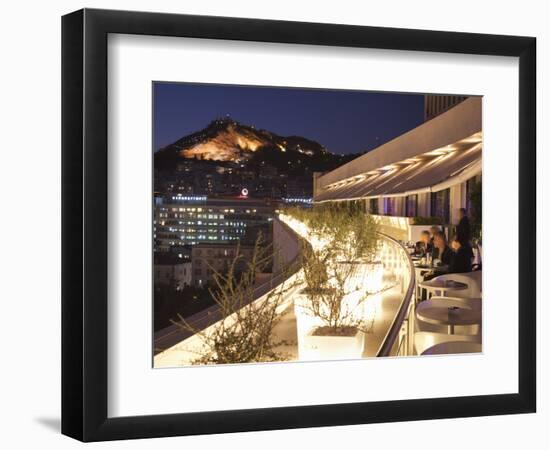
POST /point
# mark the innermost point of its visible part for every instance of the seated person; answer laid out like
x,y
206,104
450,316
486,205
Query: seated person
x,y
445,256
424,245
444,251
435,251
461,260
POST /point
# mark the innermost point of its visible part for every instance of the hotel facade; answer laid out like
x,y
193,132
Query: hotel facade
x,y
429,171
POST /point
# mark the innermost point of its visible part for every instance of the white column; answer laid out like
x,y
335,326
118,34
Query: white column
x,y
457,200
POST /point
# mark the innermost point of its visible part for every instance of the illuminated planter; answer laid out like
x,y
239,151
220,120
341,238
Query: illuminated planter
x,y
305,320
363,284
312,347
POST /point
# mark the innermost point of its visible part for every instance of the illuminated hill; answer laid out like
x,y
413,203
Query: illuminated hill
x,y
228,140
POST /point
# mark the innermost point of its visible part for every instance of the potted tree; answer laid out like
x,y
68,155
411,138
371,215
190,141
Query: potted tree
x,y
330,322
245,331
330,309
355,245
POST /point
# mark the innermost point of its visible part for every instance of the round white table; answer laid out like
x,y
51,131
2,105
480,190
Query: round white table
x,y
438,312
442,287
453,347
419,269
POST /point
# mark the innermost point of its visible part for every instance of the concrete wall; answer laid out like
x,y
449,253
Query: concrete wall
x,y
285,243
316,183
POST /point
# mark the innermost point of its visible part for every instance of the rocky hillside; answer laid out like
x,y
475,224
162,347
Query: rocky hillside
x,y
228,140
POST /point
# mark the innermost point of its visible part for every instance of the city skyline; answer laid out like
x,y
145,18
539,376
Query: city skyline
x,y
344,121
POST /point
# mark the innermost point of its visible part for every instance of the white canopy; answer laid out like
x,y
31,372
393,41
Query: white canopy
x,y
428,172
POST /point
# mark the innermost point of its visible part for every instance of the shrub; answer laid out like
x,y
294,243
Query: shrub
x,y
245,333
420,220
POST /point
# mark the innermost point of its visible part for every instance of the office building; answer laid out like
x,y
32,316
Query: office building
x,y
182,220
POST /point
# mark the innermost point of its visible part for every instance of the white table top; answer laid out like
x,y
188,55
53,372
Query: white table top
x,y
453,347
439,313
447,285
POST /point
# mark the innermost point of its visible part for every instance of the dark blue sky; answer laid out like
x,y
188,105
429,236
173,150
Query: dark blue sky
x,y
342,121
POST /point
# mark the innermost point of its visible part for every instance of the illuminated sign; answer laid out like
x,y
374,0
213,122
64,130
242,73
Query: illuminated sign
x,y
196,198
298,200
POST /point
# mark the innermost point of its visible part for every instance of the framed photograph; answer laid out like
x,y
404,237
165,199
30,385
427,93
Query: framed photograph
x,y
273,225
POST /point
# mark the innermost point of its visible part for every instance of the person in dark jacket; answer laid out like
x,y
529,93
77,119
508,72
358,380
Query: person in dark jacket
x,y
445,254
434,229
461,260
463,231
424,245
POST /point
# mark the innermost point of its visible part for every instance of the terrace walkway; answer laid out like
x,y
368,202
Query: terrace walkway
x,y
385,306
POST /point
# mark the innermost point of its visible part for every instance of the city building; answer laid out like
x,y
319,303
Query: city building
x,y
190,220
428,171
437,104
209,259
298,187
172,270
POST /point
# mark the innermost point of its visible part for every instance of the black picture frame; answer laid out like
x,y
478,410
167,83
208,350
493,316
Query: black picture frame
x,y
84,224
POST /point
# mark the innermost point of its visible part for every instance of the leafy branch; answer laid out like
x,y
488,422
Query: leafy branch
x,y
246,331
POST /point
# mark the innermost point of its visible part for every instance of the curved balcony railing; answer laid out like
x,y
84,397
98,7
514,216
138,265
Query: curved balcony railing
x,y
398,263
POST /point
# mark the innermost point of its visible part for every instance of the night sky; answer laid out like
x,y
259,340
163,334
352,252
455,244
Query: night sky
x,y
342,121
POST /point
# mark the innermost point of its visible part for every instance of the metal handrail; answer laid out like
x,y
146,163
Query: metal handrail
x,y
395,327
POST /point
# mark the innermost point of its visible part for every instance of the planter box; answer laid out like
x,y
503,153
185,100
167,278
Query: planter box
x,y
305,321
315,348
